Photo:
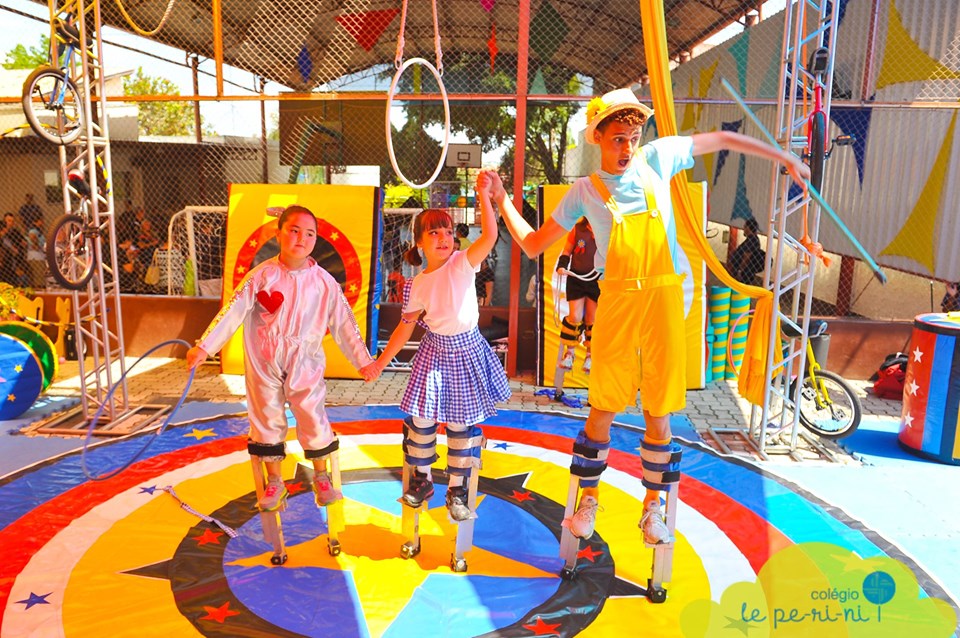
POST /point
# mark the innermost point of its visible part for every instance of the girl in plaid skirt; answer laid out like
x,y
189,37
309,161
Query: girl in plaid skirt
x,y
456,378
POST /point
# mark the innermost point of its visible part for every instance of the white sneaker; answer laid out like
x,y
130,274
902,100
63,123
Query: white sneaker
x,y
586,364
567,362
582,522
654,525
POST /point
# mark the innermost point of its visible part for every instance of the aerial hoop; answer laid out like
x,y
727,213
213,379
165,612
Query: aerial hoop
x,y
437,73
446,122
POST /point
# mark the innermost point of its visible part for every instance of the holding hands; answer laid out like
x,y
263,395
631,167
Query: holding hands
x,y
370,372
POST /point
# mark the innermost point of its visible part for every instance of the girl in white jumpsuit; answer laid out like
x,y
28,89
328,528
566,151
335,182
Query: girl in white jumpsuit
x,y
286,305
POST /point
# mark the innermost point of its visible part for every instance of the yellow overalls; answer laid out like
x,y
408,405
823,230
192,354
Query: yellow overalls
x,y
639,334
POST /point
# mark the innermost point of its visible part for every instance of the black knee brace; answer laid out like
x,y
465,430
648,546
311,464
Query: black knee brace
x,y
271,451
332,447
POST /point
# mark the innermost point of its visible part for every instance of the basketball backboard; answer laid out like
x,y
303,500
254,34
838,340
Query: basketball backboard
x,y
464,155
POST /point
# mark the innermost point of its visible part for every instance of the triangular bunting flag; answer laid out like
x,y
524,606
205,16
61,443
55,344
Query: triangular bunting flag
x,y
916,239
366,28
492,46
904,60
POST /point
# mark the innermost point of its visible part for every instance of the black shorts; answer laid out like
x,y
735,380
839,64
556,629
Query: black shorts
x,y
578,289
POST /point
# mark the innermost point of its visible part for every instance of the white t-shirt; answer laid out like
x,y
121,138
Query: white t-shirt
x,y
447,295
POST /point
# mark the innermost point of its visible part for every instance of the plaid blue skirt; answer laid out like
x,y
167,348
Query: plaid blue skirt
x,y
455,379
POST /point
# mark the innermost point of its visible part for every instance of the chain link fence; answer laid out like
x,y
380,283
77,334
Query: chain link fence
x,y
304,99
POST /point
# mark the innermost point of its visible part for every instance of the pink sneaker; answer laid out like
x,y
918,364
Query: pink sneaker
x,y
273,495
324,493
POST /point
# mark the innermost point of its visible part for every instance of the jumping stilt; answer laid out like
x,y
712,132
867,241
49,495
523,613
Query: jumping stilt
x,y
272,529
661,471
588,462
326,487
570,544
464,447
419,451
410,519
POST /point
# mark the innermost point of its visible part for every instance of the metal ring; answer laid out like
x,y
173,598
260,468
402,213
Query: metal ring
x,y
446,127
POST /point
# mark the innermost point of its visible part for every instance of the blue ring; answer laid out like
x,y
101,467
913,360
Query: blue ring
x,y
106,400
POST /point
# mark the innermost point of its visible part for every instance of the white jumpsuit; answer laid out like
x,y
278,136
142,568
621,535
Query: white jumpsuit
x,y
285,315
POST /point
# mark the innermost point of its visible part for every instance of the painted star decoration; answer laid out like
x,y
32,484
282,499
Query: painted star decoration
x,y
200,434
35,599
380,561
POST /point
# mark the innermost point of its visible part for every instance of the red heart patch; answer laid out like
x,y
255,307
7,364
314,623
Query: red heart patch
x,y
270,300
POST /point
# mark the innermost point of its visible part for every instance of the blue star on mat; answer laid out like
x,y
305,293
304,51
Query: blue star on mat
x,y
502,446
35,599
149,490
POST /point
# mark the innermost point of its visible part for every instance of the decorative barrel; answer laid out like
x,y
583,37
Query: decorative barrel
x,y
21,378
38,342
931,390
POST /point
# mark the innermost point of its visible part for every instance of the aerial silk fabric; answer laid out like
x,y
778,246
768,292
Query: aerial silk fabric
x,y
752,376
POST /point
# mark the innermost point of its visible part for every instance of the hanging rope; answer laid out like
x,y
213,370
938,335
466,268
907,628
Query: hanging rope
x,y
137,28
437,72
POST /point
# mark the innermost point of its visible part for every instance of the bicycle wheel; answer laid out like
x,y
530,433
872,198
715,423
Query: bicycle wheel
x,y
834,412
53,105
70,252
818,148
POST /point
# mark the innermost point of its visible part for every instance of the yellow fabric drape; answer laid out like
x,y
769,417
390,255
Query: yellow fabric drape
x,y
751,381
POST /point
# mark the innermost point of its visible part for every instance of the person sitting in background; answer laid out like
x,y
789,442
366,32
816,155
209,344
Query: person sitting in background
x,y
951,300
462,232
748,258
484,284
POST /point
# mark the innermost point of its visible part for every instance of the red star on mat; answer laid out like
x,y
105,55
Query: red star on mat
x,y
208,536
296,487
220,614
541,628
588,553
522,496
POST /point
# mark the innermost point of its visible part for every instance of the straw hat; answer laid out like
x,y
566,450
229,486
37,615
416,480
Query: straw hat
x,y
619,100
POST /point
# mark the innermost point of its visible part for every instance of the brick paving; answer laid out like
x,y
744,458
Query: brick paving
x,y
718,406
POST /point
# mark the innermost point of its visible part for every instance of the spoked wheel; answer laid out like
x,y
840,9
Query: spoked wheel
x,y
71,252
53,105
834,412
818,148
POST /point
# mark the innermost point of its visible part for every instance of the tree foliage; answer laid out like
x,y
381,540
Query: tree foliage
x,y
21,57
161,118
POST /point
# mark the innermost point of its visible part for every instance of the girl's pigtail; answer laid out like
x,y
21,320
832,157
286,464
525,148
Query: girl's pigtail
x,y
412,256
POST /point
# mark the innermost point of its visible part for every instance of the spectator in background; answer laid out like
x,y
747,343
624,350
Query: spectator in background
x,y
37,254
13,252
128,227
29,211
396,281
462,232
484,284
748,258
951,300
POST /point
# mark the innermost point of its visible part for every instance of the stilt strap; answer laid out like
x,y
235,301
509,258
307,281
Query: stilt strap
x,y
330,448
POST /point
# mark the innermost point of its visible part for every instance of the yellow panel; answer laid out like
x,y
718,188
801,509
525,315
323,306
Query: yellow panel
x,y
348,216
